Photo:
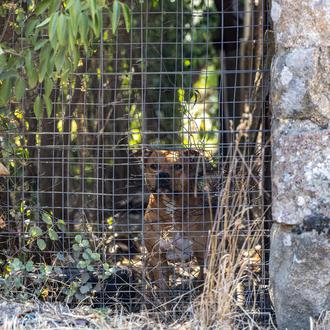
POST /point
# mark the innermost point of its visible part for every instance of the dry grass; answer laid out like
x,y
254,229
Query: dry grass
x,y
234,253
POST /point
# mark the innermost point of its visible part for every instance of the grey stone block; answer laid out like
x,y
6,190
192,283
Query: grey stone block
x,y
300,276
301,85
301,172
303,23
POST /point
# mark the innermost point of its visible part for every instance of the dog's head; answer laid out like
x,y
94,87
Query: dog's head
x,y
170,171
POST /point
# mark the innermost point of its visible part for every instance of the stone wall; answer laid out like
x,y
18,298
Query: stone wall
x,y
300,246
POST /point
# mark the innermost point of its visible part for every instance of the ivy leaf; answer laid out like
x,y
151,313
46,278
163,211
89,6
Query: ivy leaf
x,y
37,107
47,218
41,244
76,247
29,266
19,88
35,231
96,256
52,234
115,16
16,264
127,16
78,238
60,225
81,264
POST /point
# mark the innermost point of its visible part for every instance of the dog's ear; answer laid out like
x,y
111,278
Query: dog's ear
x,y
142,154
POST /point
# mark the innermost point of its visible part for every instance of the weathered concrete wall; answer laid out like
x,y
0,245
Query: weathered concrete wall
x,y
300,249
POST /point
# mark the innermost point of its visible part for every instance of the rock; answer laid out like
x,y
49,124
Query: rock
x,y
301,174
301,84
300,281
303,23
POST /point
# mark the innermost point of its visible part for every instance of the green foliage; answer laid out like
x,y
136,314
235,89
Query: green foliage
x,y
56,33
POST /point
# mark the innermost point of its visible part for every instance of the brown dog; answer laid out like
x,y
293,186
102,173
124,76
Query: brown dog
x,y
176,223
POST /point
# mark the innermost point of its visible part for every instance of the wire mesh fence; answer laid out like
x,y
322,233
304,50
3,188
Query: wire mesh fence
x,y
147,185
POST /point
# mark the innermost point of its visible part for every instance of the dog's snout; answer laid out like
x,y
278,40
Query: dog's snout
x,y
163,175
164,180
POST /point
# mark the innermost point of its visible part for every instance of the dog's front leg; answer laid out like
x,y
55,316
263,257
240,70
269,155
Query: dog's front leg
x,y
157,265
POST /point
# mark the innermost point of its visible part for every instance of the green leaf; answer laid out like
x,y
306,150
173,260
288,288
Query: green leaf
x,y
92,7
52,234
5,91
54,5
35,231
83,29
127,16
85,243
52,29
42,6
48,84
115,16
16,264
43,23
19,88
30,70
50,67
49,105
44,58
86,256
46,217
6,75
37,107
30,26
62,29
29,266
40,44
97,23
60,225
81,264
96,256
41,244
90,268
60,58
75,14
76,247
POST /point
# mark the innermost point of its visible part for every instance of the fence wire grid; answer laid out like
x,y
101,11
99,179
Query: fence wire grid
x,y
151,168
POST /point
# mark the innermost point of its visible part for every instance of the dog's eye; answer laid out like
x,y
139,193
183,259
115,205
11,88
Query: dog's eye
x,y
154,166
177,166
